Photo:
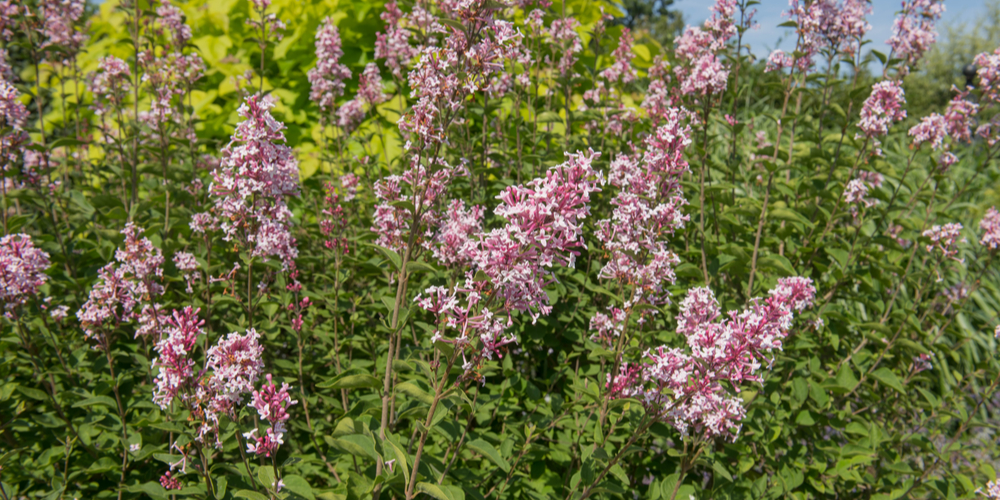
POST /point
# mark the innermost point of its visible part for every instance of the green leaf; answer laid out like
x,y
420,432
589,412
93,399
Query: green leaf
x,y
413,390
252,495
96,400
355,444
402,461
390,255
432,490
415,266
266,476
353,382
487,450
846,378
617,471
298,485
890,379
721,470
805,418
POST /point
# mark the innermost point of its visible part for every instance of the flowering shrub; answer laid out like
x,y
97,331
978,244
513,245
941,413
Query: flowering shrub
x,y
490,249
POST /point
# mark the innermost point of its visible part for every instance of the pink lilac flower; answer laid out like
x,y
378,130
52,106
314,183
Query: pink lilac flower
x,y
608,327
349,183
169,483
959,116
880,110
922,363
991,229
778,61
186,263
932,128
59,19
563,33
913,31
370,86
989,74
685,389
125,288
996,334
202,222
647,209
22,269
394,44
856,193
350,115
828,25
327,78
110,84
255,176
621,69
701,72
60,313
13,113
176,368
236,364
333,223
946,160
544,226
944,238
458,227
271,404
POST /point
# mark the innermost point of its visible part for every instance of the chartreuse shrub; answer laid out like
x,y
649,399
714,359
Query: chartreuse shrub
x,y
481,249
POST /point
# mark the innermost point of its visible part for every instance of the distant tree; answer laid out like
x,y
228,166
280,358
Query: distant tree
x,y
652,16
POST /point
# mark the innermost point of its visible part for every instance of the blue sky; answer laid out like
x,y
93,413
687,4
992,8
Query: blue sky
x,y
764,39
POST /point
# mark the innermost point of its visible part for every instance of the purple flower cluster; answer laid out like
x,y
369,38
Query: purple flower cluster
x,y
991,229
327,78
944,238
272,405
544,225
684,389
647,209
256,174
126,288
913,31
880,110
22,269
701,72
174,355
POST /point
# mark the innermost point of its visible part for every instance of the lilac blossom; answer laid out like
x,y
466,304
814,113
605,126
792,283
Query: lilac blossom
x,y
327,78
685,389
913,31
271,404
880,110
125,288
22,269
944,238
932,128
255,176
176,368
991,229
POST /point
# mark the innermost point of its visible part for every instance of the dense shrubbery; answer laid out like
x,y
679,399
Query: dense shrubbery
x,y
477,249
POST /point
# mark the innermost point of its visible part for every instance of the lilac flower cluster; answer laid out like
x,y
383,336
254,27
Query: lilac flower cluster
x,y
272,405
701,72
126,289
880,110
174,355
647,209
944,238
991,229
256,174
913,31
684,389
327,78
22,270
544,226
